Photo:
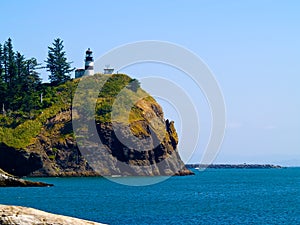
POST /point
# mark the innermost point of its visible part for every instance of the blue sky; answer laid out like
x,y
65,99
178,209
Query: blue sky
x,y
252,47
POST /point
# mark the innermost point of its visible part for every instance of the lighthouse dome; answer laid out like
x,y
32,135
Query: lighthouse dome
x,y
88,51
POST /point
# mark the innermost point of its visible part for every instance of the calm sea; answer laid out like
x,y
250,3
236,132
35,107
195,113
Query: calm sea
x,y
214,196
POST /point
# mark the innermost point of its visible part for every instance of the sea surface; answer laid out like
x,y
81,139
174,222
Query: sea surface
x,y
213,196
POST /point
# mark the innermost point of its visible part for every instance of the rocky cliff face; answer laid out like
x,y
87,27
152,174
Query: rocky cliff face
x,y
151,151
54,152
146,145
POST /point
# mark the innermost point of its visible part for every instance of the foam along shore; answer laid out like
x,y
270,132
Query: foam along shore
x,y
7,180
16,215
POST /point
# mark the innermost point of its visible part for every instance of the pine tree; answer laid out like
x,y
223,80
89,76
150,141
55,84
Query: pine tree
x,y
26,96
16,92
11,64
20,83
57,63
10,74
32,82
1,63
2,80
5,63
20,66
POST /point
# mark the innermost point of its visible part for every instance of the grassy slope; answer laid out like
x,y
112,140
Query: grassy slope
x,y
20,131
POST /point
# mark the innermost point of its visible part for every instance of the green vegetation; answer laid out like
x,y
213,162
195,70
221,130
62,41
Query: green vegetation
x,y
57,63
20,85
21,89
27,104
22,135
18,129
115,101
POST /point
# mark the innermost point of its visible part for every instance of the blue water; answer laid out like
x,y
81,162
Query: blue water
x,y
214,196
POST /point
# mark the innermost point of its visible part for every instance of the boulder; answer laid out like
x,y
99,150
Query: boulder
x,y
16,215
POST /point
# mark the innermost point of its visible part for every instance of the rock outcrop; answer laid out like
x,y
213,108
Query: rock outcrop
x,y
17,215
145,145
7,180
131,156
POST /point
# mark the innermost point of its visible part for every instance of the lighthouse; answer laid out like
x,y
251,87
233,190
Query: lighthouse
x,y
89,63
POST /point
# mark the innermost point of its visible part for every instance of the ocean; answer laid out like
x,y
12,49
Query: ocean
x,y
213,196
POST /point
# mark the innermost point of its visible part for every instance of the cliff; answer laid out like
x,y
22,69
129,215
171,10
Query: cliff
x,y
45,145
16,215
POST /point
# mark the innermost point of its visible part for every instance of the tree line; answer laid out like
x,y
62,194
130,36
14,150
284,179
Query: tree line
x,y
21,86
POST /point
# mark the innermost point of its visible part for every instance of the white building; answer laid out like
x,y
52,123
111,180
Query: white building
x,y
108,70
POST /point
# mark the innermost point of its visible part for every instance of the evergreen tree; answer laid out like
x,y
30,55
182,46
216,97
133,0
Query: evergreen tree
x,y
2,80
32,83
16,92
33,80
4,63
20,66
26,96
1,63
10,74
57,63
11,64
20,83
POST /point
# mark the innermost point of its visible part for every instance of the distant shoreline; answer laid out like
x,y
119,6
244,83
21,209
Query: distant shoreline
x,y
234,166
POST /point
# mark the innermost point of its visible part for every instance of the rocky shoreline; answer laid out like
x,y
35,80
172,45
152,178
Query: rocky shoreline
x,y
233,166
16,215
7,180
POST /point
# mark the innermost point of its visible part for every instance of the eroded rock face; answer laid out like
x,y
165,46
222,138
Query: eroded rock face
x,y
114,157
17,215
145,147
19,162
54,152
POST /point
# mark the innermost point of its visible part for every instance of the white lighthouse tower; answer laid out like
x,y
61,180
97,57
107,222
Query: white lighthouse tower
x,y
89,63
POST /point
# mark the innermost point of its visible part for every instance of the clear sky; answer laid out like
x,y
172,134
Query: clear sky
x,y
252,47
